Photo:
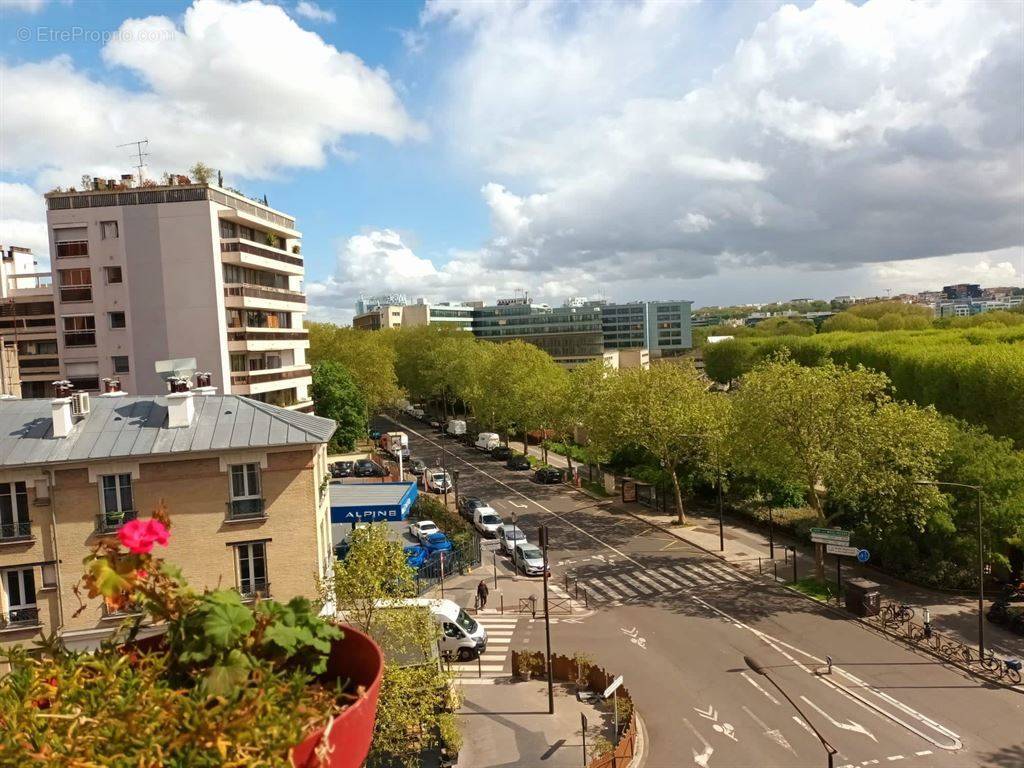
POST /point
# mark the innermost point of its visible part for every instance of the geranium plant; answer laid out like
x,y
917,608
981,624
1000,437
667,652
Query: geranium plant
x,y
227,683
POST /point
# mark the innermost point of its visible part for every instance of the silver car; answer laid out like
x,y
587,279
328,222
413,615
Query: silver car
x,y
508,536
530,559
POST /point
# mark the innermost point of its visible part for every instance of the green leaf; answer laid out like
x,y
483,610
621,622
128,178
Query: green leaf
x,y
224,678
107,580
284,637
225,623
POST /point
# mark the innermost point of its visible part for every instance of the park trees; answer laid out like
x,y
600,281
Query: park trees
x,y
368,356
337,397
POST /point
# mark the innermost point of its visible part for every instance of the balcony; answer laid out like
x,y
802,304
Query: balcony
x,y
30,284
270,375
19,530
20,618
255,588
240,245
110,522
236,295
245,510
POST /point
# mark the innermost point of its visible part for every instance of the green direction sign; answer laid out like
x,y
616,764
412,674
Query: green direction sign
x,y
830,536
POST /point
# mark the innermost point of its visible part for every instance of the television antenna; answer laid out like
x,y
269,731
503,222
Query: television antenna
x,y
141,151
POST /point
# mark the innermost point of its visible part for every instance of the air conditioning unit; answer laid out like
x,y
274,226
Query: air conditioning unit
x,y
80,404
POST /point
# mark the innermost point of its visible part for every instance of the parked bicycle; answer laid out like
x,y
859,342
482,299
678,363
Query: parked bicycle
x,y
1008,668
898,614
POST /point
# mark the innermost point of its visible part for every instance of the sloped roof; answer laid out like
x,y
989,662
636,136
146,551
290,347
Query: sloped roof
x,y
136,426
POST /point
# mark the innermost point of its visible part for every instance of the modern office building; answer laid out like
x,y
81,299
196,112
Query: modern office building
x,y
962,291
572,335
244,484
27,323
182,270
662,327
377,318
446,314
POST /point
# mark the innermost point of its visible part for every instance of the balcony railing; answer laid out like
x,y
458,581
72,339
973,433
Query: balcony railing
x,y
72,248
109,522
128,609
255,588
246,509
267,335
19,530
79,338
243,246
265,292
262,377
68,295
20,617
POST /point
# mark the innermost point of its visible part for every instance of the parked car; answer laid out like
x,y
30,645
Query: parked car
x,y
469,503
438,481
548,475
417,467
487,521
416,555
530,560
501,453
456,427
341,469
435,424
487,441
423,528
508,536
518,462
437,542
368,468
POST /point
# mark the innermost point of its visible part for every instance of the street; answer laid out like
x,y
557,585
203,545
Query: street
x,y
677,624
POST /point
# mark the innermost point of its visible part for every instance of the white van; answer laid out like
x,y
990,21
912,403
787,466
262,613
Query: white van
x,y
462,636
456,427
487,441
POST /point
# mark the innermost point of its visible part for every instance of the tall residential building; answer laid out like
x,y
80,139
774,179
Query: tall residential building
x,y
445,314
152,273
245,485
662,327
571,335
27,321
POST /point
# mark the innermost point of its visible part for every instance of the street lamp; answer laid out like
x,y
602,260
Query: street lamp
x,y
455,481
756,667
981,557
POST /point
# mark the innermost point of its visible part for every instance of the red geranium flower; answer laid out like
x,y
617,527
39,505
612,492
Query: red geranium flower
x,y
140,535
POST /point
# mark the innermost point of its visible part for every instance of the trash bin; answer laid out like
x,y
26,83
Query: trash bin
x,y
863,597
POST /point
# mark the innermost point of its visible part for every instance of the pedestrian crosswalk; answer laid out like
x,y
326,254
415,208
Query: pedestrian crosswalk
x,y
496,661
623,586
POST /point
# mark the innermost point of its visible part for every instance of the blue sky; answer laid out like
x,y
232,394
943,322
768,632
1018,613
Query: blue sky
x,y
721,152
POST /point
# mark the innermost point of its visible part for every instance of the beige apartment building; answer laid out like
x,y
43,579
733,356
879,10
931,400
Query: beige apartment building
x,y
183,270
27,322
378,318
244,483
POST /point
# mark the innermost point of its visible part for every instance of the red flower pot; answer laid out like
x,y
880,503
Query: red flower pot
x,y
355,658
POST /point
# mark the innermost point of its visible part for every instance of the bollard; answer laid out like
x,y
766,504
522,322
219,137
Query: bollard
x,y
775,567
759,565
576,587
479,666
502,597
794,565
586,599
567,582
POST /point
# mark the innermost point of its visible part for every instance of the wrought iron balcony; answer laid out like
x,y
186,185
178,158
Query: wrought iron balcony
x,y
20,617
17,531
259,588
246,509
109,522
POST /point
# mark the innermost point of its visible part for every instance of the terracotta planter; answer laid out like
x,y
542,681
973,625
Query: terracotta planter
x,y
358,659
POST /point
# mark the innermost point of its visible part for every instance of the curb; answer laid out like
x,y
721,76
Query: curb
x,y
640,742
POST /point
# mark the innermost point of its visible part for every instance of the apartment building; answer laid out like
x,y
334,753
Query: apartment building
x,y
244,483
446,314
378,318
150,273
27,322
662,327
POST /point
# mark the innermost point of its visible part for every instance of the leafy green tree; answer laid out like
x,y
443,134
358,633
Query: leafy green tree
x,y
726,361
580,395
369,357
336,396
837,431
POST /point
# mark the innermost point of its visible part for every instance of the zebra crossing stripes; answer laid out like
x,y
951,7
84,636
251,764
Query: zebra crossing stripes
x,y
497,659
622,586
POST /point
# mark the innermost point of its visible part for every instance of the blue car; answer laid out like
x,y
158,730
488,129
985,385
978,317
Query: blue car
x,y
416,555
438,542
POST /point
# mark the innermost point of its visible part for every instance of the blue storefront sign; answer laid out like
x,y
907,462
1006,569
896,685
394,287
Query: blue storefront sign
x,y
371,502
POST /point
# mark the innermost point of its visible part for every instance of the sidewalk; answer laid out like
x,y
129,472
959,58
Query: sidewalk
x,y
746,546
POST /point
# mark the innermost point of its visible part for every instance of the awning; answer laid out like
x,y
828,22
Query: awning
x,y
371,502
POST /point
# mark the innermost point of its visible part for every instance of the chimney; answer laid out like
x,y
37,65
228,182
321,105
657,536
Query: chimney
x,y
180,409
204,384
62,421
112,388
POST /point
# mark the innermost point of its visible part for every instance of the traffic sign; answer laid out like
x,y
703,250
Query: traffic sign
x,y
837,549
611,688
830,536
863,556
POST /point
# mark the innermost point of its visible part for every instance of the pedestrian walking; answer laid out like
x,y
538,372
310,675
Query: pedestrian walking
x,y
481,595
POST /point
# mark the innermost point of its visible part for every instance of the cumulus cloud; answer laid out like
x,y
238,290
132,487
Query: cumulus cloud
x,y
239,85
830,137
314,12
29,6
19,218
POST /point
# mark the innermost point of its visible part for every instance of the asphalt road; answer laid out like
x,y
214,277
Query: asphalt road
x,y
677,623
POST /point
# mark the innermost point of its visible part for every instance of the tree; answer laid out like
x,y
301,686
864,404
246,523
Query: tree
x,y
581,393
368,356
201,173
836,431
416,696
726,361
664,410
336,396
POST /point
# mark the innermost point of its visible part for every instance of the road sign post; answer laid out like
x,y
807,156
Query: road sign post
x,y
583,730
542,536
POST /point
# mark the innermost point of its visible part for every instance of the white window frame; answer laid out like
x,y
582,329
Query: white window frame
x,y
246,551
8,605
118,479
110,320
104,225
246,481
17,515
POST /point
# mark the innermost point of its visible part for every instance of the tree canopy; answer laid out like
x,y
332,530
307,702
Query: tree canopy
x,y
336,396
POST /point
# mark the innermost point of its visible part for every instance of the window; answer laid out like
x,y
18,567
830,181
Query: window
x,y
75,284
238,363
228,229
117,494
246,501
113,275
20,585
71,242
117,320
252,569
108,230
14,522
120,363
79,330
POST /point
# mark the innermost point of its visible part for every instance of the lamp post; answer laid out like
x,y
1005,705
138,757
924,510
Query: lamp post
x,y
543,537
455,480
755,666
981,557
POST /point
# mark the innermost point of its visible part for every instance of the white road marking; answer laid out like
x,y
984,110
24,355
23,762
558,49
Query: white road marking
x,y
772,733
850,726
659,576
757,685
923,752
894,758
700,758
687,578
831,681
800,721
711,714
601,589
521,494
634,583
619,585
658,588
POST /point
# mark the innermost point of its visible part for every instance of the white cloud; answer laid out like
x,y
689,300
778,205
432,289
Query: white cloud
x,y
1001,267
20,207
314,12
29,6
824,138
